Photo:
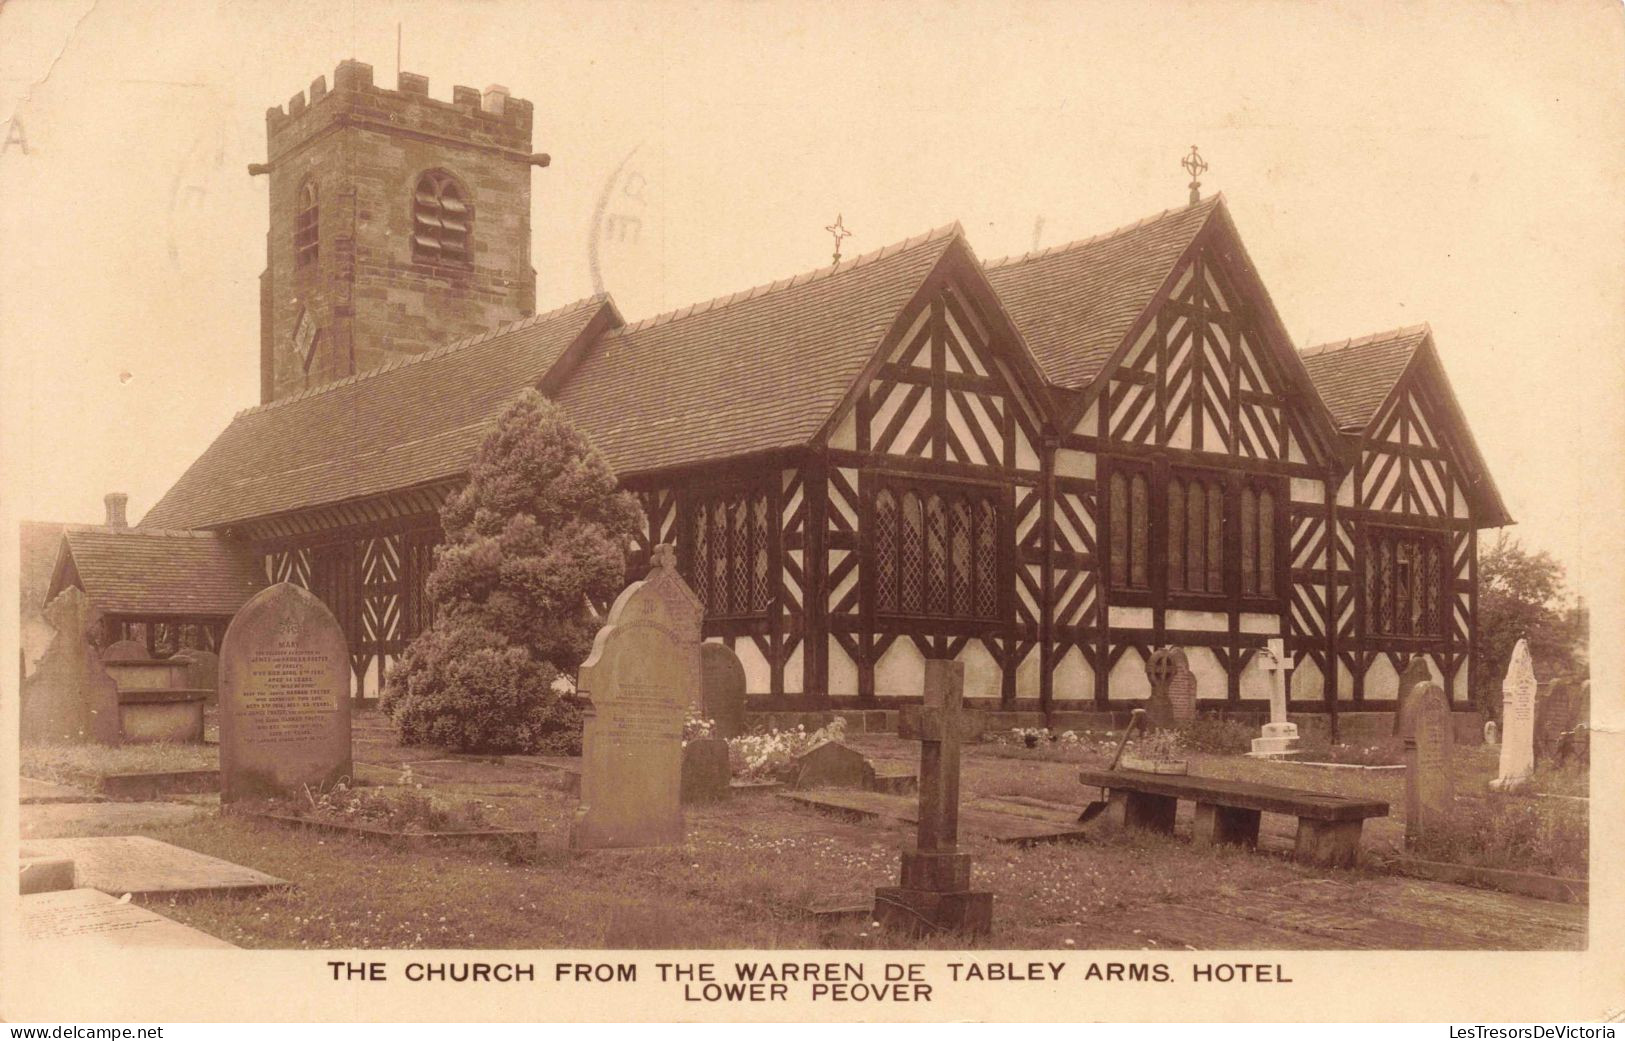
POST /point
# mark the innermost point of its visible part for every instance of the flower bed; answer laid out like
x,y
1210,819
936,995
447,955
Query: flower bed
x,y
771,755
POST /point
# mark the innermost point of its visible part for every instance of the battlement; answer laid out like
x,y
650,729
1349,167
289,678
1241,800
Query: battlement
x,y
491,118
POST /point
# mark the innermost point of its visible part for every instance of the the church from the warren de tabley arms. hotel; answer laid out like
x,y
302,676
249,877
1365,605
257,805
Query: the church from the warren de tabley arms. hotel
x,y
1044,466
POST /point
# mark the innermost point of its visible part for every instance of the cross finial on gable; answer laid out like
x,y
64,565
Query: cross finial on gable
x,y
1196,166
839,231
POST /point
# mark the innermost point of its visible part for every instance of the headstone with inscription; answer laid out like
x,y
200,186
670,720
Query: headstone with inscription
x,y
1411,681
1181,687
90,916
722,689
706,772
1517,721
284,697
1430,786
642,676
70,696
935,893
1554,716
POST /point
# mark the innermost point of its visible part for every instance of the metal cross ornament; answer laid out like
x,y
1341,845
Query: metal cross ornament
x,y
1196,166
839,231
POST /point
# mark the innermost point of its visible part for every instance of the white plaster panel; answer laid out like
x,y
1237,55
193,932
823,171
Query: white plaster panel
x,y
794,669
900,672
1211,682
1194,621
1306,489
1071,463
1258,623
1074,679
983,678
1381,681
843,671
1256,681
1308,682
758,677
1127,680
1130,618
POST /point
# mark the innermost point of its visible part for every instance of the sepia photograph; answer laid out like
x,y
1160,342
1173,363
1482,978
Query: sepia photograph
x,y
706,511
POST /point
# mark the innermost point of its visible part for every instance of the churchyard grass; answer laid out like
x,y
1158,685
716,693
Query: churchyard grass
x,y
72,763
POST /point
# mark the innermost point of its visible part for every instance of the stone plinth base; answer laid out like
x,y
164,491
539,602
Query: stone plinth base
x,y
922,911
936,871
1277,739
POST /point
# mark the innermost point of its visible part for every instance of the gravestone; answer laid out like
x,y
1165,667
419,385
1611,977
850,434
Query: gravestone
x,y
1554,716
830,764
1181,688
70,696
722,689
641,678
91,916
1492,733
936,894
1411,681
1279,736
1159,669
705,770
125,650
1430,786
284,697
1517,721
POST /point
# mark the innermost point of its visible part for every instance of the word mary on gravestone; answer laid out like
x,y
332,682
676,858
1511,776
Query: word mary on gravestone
x,y
642,676
284,697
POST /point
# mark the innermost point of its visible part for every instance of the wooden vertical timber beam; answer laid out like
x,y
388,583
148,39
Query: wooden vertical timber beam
x,y
1048,606
815,594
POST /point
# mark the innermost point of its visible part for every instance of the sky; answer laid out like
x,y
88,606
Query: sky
x,y
1386,163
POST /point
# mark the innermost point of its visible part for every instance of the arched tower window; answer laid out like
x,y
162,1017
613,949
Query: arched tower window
x,y
306,225
442,220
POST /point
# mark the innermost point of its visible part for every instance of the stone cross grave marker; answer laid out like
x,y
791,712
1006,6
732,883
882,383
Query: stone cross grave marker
x,y
642,676
1411,681
935,894
70,696
1430,741
1517,720
1158,671
722,689
1278,736
284,697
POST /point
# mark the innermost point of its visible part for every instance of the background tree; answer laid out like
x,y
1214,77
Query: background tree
x,y
537,532
1521,595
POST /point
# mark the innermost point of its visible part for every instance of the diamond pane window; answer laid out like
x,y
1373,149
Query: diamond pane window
x,y
731,553
885,550
936,552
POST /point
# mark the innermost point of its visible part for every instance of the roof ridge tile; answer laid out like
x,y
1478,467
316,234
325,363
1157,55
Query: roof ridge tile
x,y
434,352
1333,346
1038,254
793,281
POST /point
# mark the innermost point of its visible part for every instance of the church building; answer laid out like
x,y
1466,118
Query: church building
x,y
1045,466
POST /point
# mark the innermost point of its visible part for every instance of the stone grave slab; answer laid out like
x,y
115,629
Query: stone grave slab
x,y
284,697
143,866
1001,820
1517,720
722,689
36,792
44,874
63,819
1430,787
91,916
640,680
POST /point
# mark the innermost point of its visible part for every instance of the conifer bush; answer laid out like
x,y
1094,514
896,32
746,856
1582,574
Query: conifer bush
x,y
535,535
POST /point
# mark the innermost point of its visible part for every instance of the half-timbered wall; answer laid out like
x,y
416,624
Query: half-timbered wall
x,y
372,579
1158,500
1408,549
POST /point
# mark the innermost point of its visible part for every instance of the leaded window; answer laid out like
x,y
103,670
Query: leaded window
x,y
936,550
1129,491
1257,540
1404,582
442,220
730,543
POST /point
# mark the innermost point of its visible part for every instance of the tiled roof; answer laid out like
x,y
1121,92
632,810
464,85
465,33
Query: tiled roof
x,y
1075,303
407,423
142,571
1353,377
755,371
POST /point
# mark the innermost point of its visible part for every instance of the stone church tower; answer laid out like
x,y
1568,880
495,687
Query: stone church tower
x,y
398,224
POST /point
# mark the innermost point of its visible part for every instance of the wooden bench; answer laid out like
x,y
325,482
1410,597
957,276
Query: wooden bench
x,y
1228,811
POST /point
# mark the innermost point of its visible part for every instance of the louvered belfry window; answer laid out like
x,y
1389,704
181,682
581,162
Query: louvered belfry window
x,y
306,226
1404,583
730,552
936,550
442,220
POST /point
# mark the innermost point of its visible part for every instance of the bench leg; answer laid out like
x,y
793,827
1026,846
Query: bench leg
x,y
1139,810
1329,843
1225,825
